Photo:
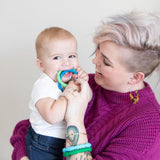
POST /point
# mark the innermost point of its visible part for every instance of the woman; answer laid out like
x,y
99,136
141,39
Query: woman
x,y
122,120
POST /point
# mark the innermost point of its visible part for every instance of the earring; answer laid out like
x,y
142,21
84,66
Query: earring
x,y
134,100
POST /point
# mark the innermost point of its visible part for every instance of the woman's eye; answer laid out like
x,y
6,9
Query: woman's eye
x,y
72,56
105,63
56,58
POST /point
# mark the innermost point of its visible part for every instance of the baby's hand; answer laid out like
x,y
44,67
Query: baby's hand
x,y
82,74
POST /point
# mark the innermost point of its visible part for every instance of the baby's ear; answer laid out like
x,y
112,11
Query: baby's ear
x,y
137,77
39,64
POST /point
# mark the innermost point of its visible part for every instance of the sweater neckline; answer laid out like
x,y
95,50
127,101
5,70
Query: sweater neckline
x,y
123,98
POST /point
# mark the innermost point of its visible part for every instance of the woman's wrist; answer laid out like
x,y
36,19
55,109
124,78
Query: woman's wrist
x,y
78,124
77,145
76,134
75,119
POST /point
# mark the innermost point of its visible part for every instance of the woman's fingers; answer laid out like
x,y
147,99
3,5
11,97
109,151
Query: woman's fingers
x,y
77,100
85,88
79,88
71,91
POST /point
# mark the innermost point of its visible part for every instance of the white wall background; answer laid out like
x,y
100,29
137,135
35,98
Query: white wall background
x,y
20,23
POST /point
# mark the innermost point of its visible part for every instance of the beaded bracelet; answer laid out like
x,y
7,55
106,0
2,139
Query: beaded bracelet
x,y
80,146
66,154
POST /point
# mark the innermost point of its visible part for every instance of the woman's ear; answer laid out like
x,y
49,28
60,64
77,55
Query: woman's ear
x,y
136,77
39,64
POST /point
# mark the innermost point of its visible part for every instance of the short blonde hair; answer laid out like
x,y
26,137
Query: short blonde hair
x,y
52,33
137,31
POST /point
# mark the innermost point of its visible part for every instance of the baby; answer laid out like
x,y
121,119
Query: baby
x,y
56,51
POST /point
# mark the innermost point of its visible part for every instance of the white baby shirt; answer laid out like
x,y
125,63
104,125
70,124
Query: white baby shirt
x,y
45,87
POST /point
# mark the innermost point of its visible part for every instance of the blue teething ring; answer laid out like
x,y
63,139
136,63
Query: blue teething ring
x,y
60,75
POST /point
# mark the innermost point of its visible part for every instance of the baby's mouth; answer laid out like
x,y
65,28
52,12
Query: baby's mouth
x,y
67,77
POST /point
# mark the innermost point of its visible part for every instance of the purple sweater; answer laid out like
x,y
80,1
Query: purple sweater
x,y
116,128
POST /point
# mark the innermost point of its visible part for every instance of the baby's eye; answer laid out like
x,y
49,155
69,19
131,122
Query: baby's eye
x,y
72,56
56,58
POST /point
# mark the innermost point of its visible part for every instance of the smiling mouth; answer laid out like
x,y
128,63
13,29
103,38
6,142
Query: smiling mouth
x,y
98,72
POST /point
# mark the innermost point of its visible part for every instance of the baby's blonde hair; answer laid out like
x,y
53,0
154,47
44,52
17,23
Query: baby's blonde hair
x,y
137,31
52,33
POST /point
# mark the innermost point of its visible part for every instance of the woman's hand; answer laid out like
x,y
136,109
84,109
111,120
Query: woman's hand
x,y
77,100
24,158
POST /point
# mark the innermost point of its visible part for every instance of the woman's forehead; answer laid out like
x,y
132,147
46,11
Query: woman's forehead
x,y
117,54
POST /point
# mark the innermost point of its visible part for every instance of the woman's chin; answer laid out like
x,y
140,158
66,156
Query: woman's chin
x,y
98,78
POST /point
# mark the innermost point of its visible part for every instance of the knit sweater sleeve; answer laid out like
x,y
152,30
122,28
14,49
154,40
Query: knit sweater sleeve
x,y
17,140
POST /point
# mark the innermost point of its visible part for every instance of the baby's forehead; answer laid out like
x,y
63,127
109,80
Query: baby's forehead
x,y
46,42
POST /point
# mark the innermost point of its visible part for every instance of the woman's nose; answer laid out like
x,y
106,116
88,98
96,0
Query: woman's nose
x,y
95,60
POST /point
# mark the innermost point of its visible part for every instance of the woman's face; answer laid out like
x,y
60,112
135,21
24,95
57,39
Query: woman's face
x,y
110,72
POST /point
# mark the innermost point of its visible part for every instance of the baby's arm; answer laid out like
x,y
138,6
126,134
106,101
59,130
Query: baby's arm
x,y
52,110
82,74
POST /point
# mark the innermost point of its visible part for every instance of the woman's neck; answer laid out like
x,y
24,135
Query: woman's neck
x,y
135,87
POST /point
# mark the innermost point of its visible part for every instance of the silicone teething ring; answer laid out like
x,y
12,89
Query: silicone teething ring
x,y
60,75
59,79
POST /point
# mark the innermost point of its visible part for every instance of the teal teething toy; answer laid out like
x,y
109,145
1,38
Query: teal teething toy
x,y
60,74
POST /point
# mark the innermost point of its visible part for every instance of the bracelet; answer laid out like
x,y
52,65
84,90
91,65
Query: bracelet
x,y
73,134
68,149
66,154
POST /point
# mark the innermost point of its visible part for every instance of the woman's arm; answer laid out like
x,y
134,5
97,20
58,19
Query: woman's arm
x,y
77,104
17,140
77,136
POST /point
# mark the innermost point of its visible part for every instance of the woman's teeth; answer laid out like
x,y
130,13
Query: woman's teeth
x,y
98,72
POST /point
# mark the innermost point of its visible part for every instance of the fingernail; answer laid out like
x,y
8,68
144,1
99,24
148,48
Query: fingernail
x,y
74,79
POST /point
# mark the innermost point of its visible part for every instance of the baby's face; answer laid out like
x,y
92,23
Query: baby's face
x,y
60,55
